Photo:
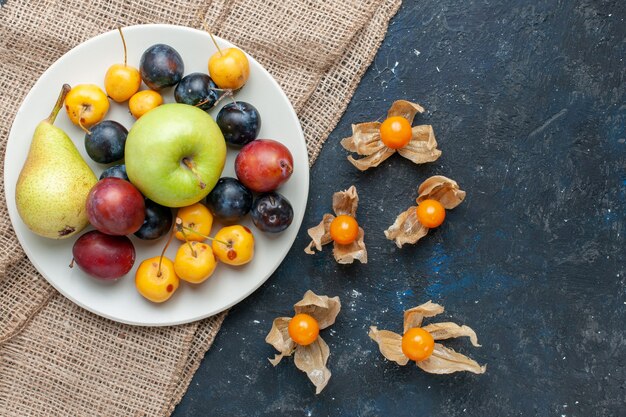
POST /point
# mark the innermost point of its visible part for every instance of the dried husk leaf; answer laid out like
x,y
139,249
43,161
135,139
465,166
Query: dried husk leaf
x,y
373,160
446,361
414,316
346,202
279,338
442,189
404,109
449,330
321,307
312,359
320,234
365,139
347,254
406,228
390,345
422,147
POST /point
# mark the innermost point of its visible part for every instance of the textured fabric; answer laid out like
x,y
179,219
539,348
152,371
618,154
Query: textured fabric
x,y
55,357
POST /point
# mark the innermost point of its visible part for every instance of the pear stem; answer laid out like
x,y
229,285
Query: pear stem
x,y
181,228
169,240
57,106
123,43
189,164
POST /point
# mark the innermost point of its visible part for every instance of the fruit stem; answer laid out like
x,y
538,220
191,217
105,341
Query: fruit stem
x,y
200,234
179,225
80,123
189,164
169,240
227,93
57,106
119,28
235,102
216,45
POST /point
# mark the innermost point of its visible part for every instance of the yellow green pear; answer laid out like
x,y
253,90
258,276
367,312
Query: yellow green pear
x,y
55,180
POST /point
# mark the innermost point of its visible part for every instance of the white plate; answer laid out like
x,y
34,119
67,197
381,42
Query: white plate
x,y
87,63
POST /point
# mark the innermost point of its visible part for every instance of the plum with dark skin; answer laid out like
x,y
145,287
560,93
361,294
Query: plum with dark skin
x,y
157,223
115,207
161,66
115,171
196,88
105,142
229,200
104,256
263,165
239,122
271,212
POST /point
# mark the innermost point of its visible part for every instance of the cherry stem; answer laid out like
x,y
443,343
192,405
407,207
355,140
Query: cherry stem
x,y
123,43
169,240
189,229
189,164
57,106
80,123
72,263
216,45
179,226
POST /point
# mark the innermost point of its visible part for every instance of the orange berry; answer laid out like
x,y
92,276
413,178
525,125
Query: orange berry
x,y
431,213
303,329
417,344
395,132
344,229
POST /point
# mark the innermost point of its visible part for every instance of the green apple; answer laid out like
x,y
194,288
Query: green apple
x,y
175,154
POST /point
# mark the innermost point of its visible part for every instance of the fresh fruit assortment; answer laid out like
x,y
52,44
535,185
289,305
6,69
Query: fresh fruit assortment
x,y
161,177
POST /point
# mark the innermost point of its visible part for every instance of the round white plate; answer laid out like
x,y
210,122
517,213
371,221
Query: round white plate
x,y
87,63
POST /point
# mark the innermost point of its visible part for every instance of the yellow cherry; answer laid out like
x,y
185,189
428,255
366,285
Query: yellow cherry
x,y
194,262
229,68
86,105
144,101
122,81
156,279
197,217
234,245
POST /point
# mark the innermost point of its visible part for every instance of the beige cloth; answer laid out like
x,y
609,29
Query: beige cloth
x,y
55,357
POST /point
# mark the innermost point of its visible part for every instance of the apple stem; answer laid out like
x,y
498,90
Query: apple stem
x,y
169,240
204,236
189,164
80,123
72,263
181,228
57,106
119,28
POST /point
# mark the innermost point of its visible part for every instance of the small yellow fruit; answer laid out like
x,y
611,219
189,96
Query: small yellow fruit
x,y
86,104
234,245
121,82
196,217
144,101
197,265
157,285
229,68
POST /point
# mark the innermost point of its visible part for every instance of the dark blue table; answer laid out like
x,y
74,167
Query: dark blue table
x,y
527,99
